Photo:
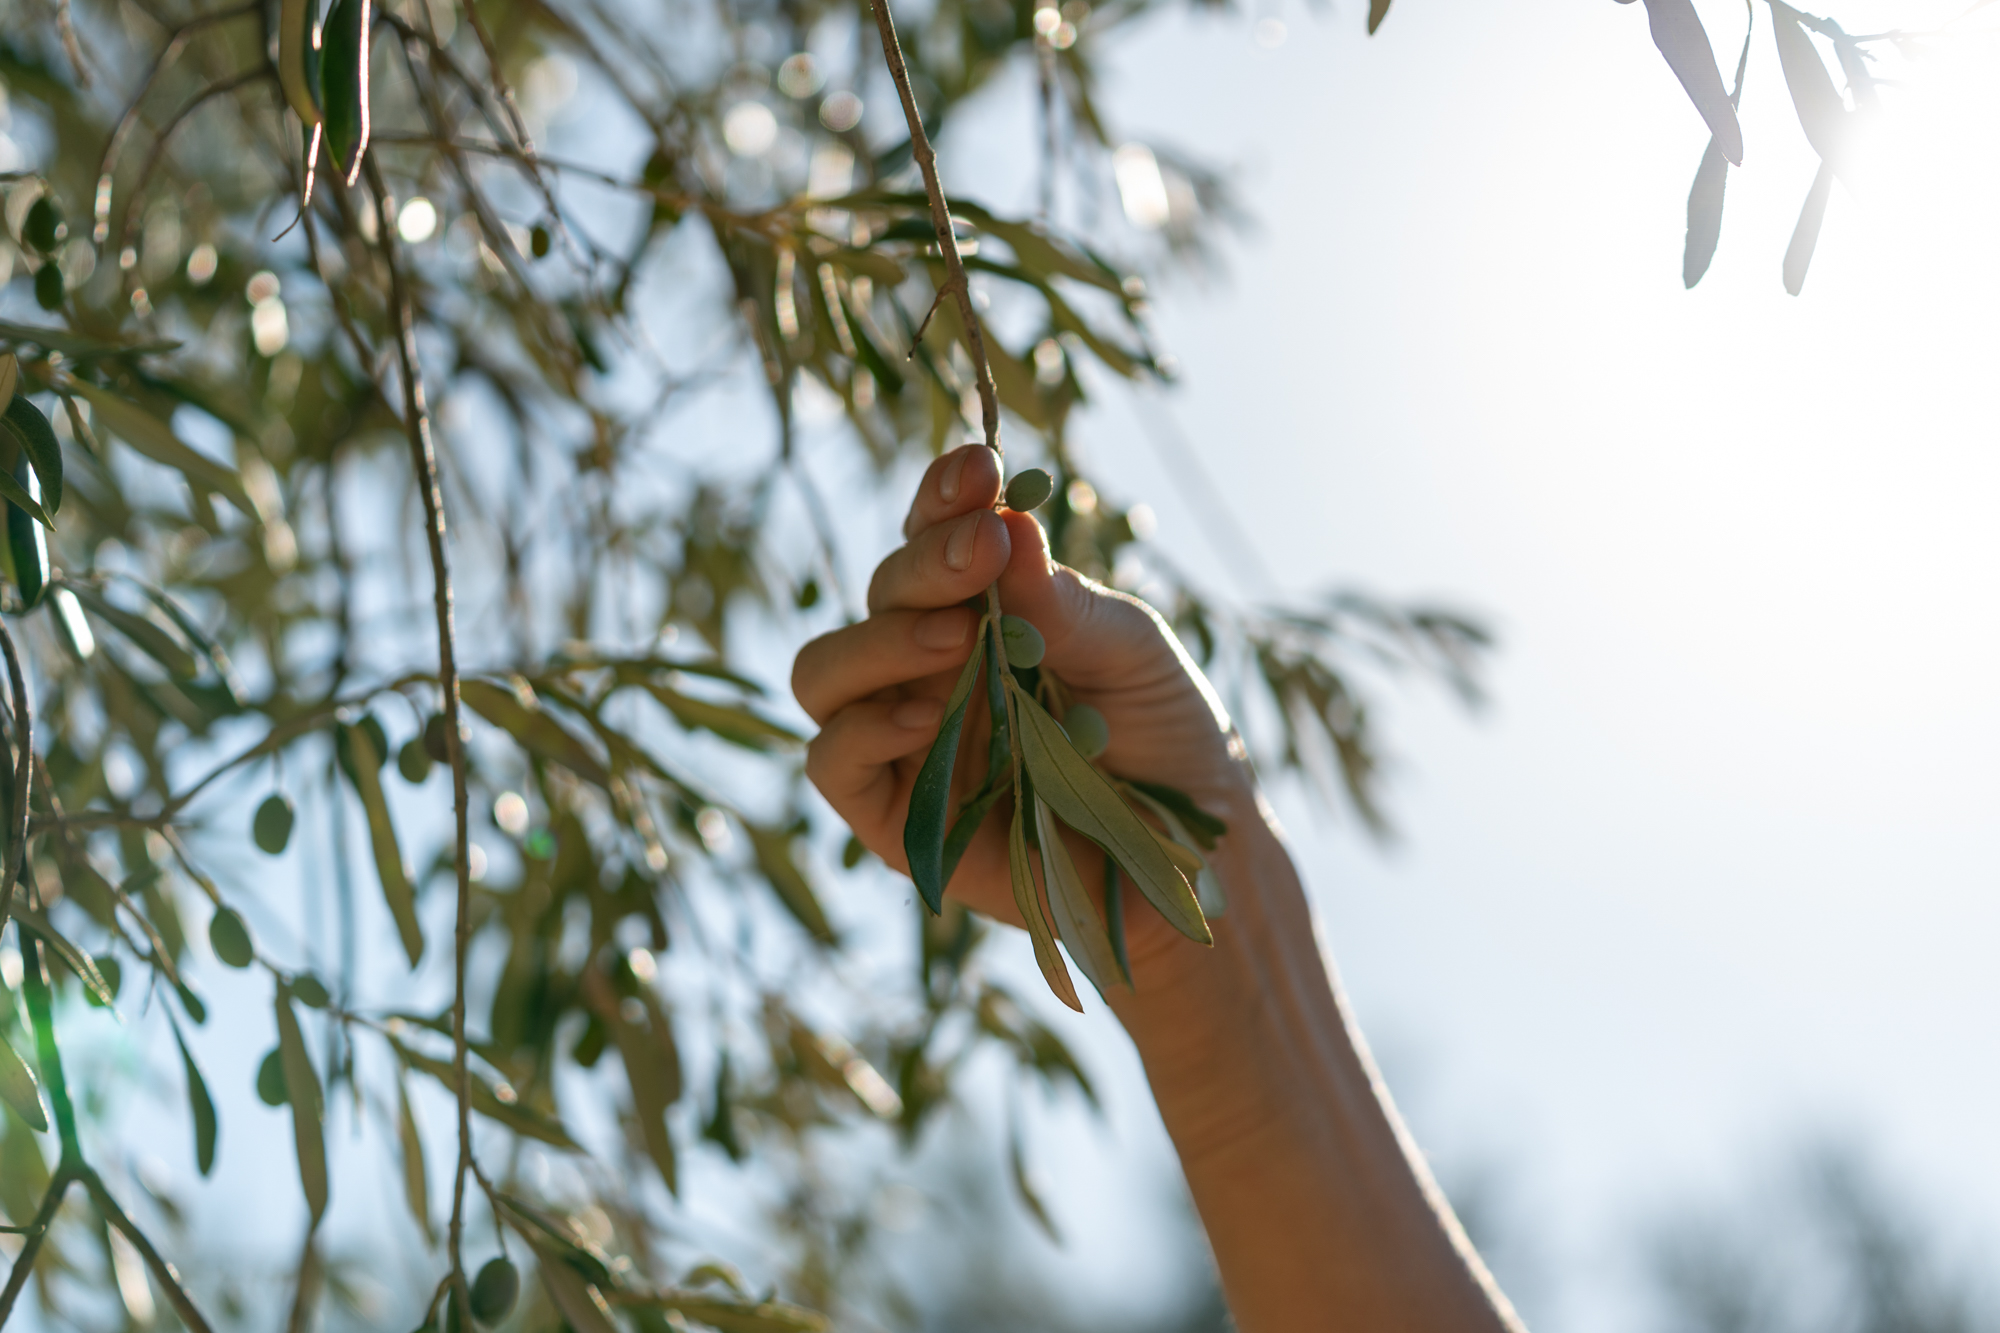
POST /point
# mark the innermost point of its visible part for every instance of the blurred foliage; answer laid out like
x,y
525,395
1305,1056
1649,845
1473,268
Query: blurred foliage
x,y
1828,1247
627,344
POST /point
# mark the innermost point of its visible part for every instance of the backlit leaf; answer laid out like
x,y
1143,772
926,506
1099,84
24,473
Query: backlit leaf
x,y
930,798
75,959
487,1101
36,438
1076,920
654,1087
1085,800
1704,224
146,634
416,1180
344,75
1805,236
20,1090
1822,113
156,440
1029,903
1377,11
517,712
201,1106
1677,31
303,1096
732,722
773,849
366,775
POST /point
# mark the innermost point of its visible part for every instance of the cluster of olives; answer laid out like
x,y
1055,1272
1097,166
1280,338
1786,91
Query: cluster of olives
x,y
44,229
1025,647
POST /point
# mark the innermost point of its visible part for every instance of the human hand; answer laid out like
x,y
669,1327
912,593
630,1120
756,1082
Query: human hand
x,y
878,688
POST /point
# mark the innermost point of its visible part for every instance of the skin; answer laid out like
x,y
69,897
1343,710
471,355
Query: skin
x,y
1320,1211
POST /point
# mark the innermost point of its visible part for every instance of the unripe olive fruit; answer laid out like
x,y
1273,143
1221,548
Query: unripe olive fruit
x,y
271,1080
437,739
413,761
1087,730
1029,490
538,241
310,990
49,287
230,938
271,827
1024,642
44,228
495,1290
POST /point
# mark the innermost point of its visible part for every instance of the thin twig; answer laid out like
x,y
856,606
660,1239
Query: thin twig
x,y
37,1231
164,1273
423,462
955,280
24,751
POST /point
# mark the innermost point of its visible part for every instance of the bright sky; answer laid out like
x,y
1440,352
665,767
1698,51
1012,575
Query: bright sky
x,y
1719,870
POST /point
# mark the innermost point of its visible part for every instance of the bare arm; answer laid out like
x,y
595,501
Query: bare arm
x,y
1320,1212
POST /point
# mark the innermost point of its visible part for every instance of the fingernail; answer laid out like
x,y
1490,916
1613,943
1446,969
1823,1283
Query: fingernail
x,y
948,480
915,713
958,546
940,629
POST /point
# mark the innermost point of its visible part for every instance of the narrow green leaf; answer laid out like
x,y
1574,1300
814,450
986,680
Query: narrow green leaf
x,y
1083,799
27,541
1029,903
201,1106
574,1298
156,440
344,88
966,827
773,849
38,440
10,375
517,712
20,1089
1205,827
416,1180
487,1101
76,346
19,495
1704,228
930,798
1076,920
654,1086
732,722
366,775
73,958
1377,11
303,1095
1677,31
146,635
294,50
1114,918
1805,237
1024,1189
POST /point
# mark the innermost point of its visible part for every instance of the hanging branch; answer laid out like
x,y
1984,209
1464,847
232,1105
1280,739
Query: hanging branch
x,y
955,282
423,462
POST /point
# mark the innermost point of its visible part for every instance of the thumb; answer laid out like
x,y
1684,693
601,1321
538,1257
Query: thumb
x,y
1090,630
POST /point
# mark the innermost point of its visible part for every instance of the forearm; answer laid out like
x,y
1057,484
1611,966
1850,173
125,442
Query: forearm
x,y
1319,1211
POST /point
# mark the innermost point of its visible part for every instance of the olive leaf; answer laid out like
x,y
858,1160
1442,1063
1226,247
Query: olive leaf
x,y
1114,918
416,1181
1704,210
37,439
517,712
366,775
1677,31
1822,113
10,375
733,722
773,849
966,826
201,1106
27,541
156,440
655,1086
303,1096
1805,236
1076,920
75,959
20,1090
294,50
930,798
1377,11
1024,1189
146,635
23,499
1181,846
487,1101
574,1298
1204,827
1086,801
1029,903
343,65
76,346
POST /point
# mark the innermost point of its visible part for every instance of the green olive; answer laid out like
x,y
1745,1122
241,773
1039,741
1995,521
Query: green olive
x,y
271,827
1024,642
495,1290
271,1080
413,761
1087,730
230,938
44,227
1030,490
49,286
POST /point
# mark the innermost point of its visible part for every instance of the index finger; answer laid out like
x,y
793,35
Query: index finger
x,y
957,482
